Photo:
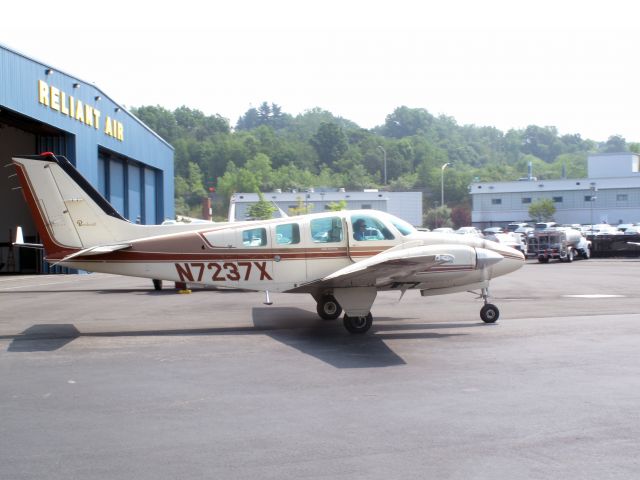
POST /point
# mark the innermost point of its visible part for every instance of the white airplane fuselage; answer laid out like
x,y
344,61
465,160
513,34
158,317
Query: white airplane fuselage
x,y
343,257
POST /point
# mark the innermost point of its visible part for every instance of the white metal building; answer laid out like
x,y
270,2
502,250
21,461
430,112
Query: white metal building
x,y
405,205
611,194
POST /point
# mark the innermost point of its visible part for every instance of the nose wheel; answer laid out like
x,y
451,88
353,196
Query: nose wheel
x,y
489,313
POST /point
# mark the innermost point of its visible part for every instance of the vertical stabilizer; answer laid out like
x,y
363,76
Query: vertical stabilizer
x,y
69,213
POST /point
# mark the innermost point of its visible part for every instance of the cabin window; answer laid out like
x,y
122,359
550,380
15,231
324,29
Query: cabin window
x,y
256,237
287,234
369,228
326,230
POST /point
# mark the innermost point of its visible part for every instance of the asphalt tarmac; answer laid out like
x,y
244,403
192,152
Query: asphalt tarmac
x,y
101,377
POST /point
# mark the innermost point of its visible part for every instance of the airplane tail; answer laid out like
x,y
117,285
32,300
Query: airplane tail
x,y
70,214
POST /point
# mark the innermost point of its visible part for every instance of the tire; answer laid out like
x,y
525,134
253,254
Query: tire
x,y
489,313
157,284
328,308
586,253
358,324
570,255
543,259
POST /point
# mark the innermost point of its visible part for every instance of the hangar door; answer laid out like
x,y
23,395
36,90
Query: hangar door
x,y
129,186
22,136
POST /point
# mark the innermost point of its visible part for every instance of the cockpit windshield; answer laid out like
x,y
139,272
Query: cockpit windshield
x,y
403,227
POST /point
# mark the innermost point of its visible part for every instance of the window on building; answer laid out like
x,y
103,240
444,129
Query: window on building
x,y
557,199
526,200
622,197
496,201
587,198
287,234
366,206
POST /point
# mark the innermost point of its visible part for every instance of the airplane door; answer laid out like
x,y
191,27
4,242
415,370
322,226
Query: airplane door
x,y
367,236
254,266
223,257
289,256
325,240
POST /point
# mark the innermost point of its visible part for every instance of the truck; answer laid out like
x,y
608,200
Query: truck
x,y
564,244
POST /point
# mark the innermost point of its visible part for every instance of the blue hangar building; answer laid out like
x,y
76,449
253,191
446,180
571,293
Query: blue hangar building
x,y
43,109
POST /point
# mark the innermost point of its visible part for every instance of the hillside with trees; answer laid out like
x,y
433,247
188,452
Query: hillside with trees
x,y
268,149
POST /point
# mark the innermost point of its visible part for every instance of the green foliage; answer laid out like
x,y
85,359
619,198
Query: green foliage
x,y
542,210
263,210
438,217
330,143
337,206
301,208
271,149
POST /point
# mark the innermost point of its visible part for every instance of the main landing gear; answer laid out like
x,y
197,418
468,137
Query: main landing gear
x,y
328,308
359,324
489,313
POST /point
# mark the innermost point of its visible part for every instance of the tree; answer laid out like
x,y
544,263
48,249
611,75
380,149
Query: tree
x,y
542,210
438,217
300,208
615,144
330,143
337,206
263,210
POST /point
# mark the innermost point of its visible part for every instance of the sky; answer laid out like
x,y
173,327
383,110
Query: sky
x,y
508,64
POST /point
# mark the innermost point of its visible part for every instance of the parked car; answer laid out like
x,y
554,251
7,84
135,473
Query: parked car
x,y
492,230
513,227
544,225
469,231
525,230
513,240
443,230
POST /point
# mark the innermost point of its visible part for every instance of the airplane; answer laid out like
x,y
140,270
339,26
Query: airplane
x,y
319,254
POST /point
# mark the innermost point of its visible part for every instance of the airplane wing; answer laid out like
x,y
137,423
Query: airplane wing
x,y
401,266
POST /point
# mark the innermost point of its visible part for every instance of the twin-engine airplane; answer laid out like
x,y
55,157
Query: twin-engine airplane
x,y
341,258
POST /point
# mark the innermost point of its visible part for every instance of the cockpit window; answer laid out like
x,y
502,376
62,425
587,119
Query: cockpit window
x,y
403,227
369,228
326,230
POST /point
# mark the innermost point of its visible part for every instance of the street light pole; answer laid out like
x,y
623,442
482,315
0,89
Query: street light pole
x,y
442,182
384,154
592,198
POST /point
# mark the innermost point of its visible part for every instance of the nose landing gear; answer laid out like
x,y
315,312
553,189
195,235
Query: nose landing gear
x,y
489,313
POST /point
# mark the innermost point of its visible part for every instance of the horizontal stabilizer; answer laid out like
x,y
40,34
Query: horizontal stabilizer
x,y
98,250
21,243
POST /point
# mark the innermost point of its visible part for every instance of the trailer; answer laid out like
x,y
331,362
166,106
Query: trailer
x,y
564,244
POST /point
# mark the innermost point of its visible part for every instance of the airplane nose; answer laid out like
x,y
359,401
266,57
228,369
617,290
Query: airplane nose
x,y
509,259
485,258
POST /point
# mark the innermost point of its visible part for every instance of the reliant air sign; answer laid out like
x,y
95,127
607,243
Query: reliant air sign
x,y
58,100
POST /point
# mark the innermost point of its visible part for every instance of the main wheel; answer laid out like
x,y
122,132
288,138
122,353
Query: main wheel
x,y
157,284
328,308
489,313
358,324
